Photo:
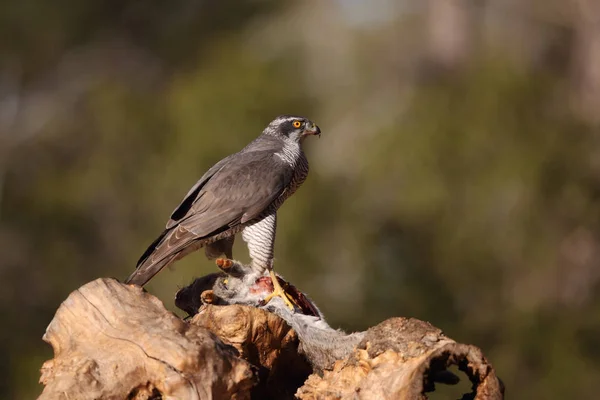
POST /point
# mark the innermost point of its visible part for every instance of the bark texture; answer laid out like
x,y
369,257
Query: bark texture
x,y
403,358
115,341
264,340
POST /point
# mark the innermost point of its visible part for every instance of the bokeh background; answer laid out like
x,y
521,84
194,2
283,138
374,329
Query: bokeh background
x,y
457,179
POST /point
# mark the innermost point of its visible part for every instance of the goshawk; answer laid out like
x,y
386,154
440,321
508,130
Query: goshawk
x,y
242,192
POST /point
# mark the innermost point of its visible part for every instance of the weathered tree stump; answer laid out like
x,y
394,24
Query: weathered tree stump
x,y
264,340
402,358
114,341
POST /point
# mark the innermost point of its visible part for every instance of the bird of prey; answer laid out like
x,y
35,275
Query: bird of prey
x,y
240,193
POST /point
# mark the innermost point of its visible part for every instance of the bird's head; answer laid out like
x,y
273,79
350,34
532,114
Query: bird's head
x,y
292,127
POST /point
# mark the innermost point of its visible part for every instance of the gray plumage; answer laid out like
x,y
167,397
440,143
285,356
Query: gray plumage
x,y
242,192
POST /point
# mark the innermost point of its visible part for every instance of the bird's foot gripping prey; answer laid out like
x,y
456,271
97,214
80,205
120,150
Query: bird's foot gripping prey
x,y
278,290
238,284
240,193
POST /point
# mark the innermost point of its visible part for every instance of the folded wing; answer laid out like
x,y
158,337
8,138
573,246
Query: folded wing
x,y
236,190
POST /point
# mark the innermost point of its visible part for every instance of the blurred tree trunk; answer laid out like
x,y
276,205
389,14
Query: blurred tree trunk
x,y
450,33
586,67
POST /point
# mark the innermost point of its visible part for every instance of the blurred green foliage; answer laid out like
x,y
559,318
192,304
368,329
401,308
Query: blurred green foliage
x,y
470,201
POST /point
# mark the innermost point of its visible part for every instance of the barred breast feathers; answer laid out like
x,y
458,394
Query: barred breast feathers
x,y
291,153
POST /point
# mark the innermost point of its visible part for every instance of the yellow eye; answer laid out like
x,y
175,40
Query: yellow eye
x,y
297,124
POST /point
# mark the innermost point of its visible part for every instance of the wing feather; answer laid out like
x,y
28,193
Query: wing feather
x,y
237,193
233,192
191,196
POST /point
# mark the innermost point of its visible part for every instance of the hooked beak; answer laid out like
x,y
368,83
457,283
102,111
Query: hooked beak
x,y
312,129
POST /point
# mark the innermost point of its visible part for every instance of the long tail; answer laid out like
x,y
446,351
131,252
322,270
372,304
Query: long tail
x,y
148,266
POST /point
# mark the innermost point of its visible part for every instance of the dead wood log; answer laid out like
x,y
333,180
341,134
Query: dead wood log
x,y
116,341
403,358
264,340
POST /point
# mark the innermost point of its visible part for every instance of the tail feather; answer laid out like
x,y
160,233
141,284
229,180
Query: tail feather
x,y
152,247
146,271
173,244
145,268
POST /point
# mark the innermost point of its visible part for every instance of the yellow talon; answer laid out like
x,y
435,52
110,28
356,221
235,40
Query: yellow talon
x,y
279,292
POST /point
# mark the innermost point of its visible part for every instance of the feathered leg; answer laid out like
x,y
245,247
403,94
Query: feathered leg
x,y
260,237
